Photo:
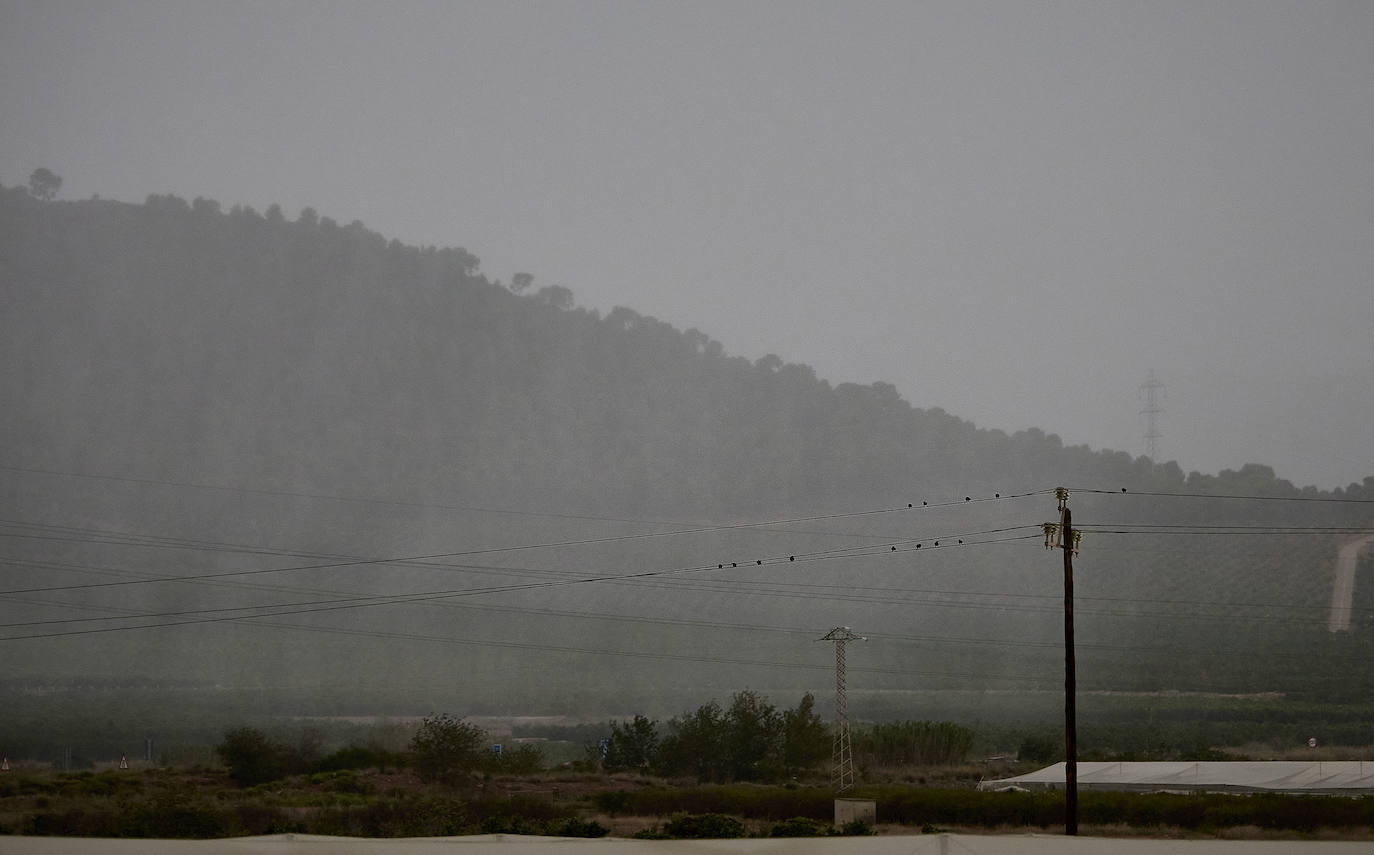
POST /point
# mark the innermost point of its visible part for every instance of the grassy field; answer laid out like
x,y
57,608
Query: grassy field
x,y
203,802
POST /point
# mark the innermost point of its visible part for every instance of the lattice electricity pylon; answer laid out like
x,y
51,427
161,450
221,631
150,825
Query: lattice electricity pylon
x,y
1153,391
843,751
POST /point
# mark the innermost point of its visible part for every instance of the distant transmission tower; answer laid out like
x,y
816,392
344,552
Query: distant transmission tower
x,y
1153,392
843,776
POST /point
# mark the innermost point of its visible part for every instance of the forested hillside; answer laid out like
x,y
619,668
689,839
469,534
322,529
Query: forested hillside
x,y
175,340
315,420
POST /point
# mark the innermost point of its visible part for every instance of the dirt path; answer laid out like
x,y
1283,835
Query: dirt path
x,y
1343,586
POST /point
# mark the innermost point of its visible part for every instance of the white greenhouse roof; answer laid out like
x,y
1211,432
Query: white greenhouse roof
x,y
1341,777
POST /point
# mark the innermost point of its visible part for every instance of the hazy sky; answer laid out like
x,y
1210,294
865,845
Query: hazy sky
x,y
1012,211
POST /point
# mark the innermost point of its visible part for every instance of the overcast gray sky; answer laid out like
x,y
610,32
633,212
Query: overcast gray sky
x,y
1012,211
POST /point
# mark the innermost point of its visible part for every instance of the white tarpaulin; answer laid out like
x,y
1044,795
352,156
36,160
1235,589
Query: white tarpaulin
x,y
1342,777
931,844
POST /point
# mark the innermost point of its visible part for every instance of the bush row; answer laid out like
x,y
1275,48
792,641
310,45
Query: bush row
x,y
694,812
1202,811
920,807
176,816
749,801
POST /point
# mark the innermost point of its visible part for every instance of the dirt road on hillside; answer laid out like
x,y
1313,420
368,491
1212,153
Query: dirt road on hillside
x,y
1343,586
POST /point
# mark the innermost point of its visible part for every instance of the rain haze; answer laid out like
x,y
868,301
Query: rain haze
x,y
735,310
385,382
1010,211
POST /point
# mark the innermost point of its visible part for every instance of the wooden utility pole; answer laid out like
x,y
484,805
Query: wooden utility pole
x,y
1061,535
1070,685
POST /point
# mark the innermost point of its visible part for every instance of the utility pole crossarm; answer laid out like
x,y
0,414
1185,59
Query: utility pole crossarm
x,y
842,633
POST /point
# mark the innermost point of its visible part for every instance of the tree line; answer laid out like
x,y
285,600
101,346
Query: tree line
x,y
748,740
752,740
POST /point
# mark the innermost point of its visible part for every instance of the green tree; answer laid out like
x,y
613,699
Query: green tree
x,y
556,296
445,749
44,184
252,758
743,743
805,738
522,759
1040,748
753,738
632,745
914,743
695,744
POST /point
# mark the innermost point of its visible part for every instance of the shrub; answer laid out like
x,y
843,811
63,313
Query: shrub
x,y
347,781
612,802
534,808
800,826
446,749
747,800
177,817
702,826
580,828
73,823
520,824
403,817
504,824
524,759
856,828
1041,749
356,757
914,743
254,759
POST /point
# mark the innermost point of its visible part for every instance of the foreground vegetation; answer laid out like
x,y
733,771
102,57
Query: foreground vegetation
x,y
745,768
205,803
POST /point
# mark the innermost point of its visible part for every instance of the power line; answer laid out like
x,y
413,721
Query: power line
x,y
841,553
1229,612
361,601
638,653
1338,500
421,560
722,625
558,544
897,546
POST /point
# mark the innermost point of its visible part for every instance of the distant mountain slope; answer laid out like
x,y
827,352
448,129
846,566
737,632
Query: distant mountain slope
x,y
174,335
303,393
